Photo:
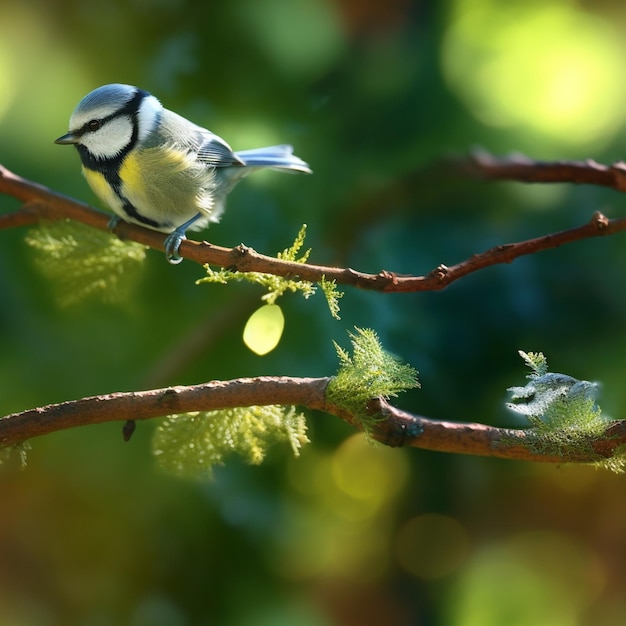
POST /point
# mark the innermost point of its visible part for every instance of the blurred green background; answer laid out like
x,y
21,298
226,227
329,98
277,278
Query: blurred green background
x,y
372,94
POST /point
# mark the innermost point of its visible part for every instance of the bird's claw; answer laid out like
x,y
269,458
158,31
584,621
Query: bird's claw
x,y
172,244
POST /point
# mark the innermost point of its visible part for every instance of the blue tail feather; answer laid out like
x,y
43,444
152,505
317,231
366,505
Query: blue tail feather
x,y
280,157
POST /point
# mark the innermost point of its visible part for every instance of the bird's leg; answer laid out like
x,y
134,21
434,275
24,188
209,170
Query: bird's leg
x,y
113,222
175,238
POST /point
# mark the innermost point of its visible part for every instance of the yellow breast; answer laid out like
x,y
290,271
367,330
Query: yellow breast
x,y
133,174
102,189
164,185
167,184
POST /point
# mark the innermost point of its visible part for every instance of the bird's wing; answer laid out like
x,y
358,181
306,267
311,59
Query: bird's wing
x,y
216,152
208,147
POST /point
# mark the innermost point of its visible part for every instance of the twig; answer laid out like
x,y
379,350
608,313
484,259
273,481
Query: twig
x,y
43,203
395,428
481,164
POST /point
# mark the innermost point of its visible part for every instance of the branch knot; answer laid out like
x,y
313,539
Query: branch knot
x,y
599,220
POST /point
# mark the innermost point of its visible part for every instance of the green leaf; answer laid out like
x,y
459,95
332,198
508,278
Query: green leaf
x,y
9,454
291,253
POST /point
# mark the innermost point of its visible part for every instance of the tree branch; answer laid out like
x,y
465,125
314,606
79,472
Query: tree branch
x,y
43,203
481,164
396,427
141,405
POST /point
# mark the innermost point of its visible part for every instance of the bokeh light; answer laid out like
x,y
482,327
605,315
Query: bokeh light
x,y
368,477
550,67
534,577
264,329
7,80
306,51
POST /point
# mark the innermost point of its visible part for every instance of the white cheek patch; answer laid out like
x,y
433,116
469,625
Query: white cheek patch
x,y
109,141
148,116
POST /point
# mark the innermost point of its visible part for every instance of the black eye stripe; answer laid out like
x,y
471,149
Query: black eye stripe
x,y
93,125
131,108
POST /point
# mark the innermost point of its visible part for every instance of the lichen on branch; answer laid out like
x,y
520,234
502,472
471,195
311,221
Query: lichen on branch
x,y
564,413
278,285
369,372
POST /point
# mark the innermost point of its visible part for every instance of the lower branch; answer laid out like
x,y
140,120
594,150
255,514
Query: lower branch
x,y
141,405
395,427
399,428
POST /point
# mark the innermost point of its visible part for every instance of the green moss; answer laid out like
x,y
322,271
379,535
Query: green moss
x,y
369,372
277,286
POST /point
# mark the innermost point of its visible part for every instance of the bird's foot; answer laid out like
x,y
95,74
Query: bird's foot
x,y
113,222
172,243
175,238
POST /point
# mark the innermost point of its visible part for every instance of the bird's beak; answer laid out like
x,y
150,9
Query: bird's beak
x,y
67,139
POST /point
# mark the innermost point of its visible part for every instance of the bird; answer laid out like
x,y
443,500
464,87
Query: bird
x,y
157,169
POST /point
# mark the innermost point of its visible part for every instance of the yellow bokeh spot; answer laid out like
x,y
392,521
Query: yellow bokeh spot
x,y
7,82
368,477
341,527
264,329
534,577
549,66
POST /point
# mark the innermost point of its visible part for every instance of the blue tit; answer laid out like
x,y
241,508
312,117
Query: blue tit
x,y
154,168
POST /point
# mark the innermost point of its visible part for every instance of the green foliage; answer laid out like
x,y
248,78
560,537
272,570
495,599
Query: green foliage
x,y
291,253
81,262
333,295
369,372
278,285
190,444
563,411
536,361
9,453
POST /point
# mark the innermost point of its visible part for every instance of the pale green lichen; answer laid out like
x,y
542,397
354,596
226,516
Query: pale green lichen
x,y
80,262
191,444
564,413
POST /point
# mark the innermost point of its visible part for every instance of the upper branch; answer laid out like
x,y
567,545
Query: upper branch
x,y
39,202
518,167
